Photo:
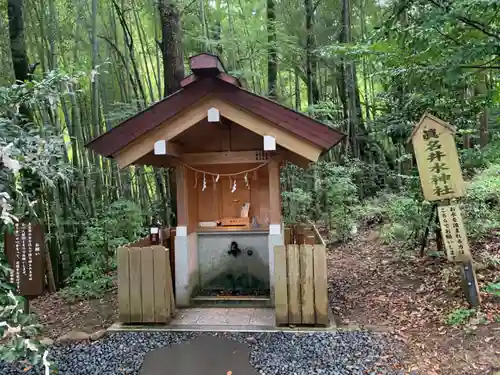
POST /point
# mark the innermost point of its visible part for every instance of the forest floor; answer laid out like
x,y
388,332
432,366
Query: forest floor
x,y
373,286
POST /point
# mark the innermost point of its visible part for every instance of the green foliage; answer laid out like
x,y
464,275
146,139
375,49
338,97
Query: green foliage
x,y
297,204
27,157
338,195
117,224
460,316
493,288
16,327
404,217
481,206
324,192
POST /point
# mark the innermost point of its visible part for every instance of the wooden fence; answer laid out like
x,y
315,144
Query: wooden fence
x,y
145,290
300,285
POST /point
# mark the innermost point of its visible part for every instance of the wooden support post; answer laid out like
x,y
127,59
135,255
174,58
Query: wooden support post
x,y
274,192
182,196
470,286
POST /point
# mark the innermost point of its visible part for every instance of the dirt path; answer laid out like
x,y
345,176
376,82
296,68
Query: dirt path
x,y
373,285
58,316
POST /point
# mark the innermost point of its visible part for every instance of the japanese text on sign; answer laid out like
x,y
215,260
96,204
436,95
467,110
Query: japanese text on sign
x,y
440,177
453,233
24,250
437,159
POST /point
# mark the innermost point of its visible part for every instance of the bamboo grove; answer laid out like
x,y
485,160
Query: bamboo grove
x,y
367,67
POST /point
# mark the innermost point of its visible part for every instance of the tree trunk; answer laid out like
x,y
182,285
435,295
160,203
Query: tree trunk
x,y
18,47
171,46
17,44
173,73
482,90
357,133
272,67
311,64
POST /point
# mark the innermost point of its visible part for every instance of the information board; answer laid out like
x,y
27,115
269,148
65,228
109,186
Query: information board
x,y
25,250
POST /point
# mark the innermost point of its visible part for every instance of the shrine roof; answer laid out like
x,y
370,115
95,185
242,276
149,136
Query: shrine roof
x,y
210,79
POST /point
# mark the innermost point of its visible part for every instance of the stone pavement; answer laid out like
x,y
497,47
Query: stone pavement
x,y
203,355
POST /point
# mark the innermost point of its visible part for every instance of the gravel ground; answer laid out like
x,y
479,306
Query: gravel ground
x,y
334,353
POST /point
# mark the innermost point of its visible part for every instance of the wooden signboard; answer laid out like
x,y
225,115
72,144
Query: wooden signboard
x,y
25,253
441,179
453,233
437,159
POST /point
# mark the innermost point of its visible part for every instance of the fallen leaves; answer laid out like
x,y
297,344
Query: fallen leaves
x,y
374,284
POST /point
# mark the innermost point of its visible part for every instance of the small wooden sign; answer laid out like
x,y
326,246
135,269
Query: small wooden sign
x,y
453,233
25,251
437,159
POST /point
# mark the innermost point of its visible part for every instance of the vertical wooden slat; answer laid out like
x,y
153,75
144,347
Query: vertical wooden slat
x,y
160,285
307,284
135,285
287,236
320,285
300,234
123,284
171,254
293,265
309,237
280,285
147,285
169,287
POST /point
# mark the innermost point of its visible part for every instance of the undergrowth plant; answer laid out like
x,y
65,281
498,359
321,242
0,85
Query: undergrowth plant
x,y
116,224
460,316
493,288
325,192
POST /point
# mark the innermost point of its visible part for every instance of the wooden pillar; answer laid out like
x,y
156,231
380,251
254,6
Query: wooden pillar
x,y
182,202
274,193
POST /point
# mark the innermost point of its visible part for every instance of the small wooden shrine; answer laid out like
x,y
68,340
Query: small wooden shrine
x,y
226,145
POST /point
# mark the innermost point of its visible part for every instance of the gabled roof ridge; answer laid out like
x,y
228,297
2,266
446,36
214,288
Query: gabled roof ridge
x,y
209,54
280,105
281,116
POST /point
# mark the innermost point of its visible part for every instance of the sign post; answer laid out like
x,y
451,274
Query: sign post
x,y
25,251
442,182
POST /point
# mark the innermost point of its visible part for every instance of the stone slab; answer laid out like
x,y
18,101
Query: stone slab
x,y
207,355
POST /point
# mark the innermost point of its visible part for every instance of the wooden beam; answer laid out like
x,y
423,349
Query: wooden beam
x,y
170,148
160,161
293,158
175,126
230,157
189,117
263,127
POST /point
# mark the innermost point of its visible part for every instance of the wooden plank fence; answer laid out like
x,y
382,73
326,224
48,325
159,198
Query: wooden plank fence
x,y
300,285
145,290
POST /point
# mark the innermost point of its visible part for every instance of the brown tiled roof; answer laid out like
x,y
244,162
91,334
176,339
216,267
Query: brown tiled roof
x,y
210,80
